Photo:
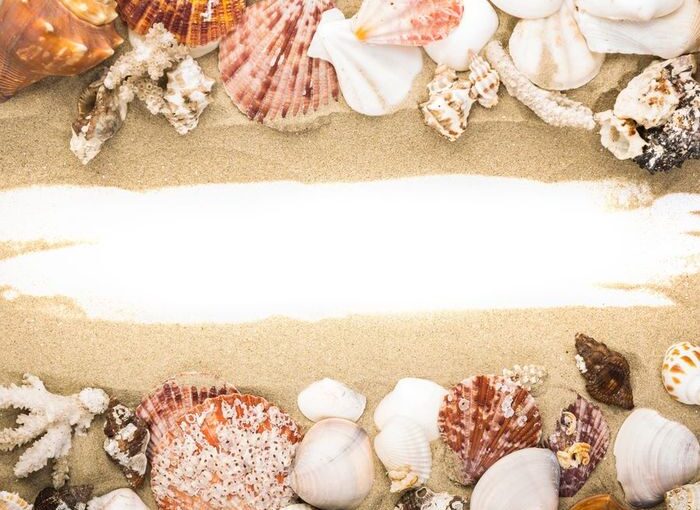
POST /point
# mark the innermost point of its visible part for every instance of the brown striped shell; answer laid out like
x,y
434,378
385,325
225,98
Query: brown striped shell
x,y
607,373
65,498
681,372
600,502
265,67
486,417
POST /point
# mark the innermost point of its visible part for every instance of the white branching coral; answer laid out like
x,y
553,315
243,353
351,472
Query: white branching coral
x,y
50,421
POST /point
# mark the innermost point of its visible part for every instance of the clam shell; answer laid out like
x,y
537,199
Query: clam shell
x,y
653,455
686,497
405,452
12,501
601,502
485,418
333,468
406,22
533,9
265,65
607,372
527,480
329,398
120,499
629,10
417,399
681,372
423,498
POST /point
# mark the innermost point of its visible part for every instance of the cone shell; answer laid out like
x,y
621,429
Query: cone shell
x,y
230,452
580,441
485,418
601,502
406,22
12,501
423,498
41,38
681,372
405,452
607,373
686,497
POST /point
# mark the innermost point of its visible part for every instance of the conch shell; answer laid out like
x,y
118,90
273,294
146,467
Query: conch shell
x,y
681,372
449,103
127,441
607,372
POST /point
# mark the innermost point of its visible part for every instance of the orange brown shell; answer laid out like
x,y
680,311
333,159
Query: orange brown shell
x,y
601,502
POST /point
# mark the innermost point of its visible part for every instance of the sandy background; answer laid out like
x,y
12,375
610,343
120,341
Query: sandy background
x,y
277,358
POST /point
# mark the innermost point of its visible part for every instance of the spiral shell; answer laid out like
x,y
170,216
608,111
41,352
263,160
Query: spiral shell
x,y
681,372
607,373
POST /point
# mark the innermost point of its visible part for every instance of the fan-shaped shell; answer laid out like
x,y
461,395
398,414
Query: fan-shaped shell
x,y
530,9
230,452
423,498
654,455
485,418
329,398
686,497
333,468
607,372
681,372
405,452
601,502
12,501
629,10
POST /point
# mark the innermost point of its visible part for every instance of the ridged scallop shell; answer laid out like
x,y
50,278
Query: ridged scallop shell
x,y
681,372
607,373
41,38
580,441
230,452
333,468
654,455
405,452
601,502
406,22
423,498
532,9
12,501
552,52
686,497
265,65
629,10
526,479
486,417
419,400
329,398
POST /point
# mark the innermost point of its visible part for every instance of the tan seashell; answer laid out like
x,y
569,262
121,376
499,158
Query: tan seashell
x,y
127,441
686,497
404,450
12,501
485,81
620,136
607,372
449,103
120,499
681,372
601,502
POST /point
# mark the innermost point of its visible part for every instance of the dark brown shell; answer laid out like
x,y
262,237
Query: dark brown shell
x,y
66,498
600,502
422,497
129,442
607,373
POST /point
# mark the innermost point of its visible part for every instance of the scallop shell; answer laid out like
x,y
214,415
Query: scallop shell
x,y
416,399
52,38
12,501
120,499
406,22
374,79
686,497
601,502
265,66
654,455
526,479
552,52
127,441
529,9
681,372
484,418
629,10
405,452
620,136
333,468
423,498
607,373
329,398
580,441
231,451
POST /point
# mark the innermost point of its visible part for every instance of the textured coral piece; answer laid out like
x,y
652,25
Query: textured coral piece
x,y
127,441
607,373
485,418
12,501
264,63
66,498
423,498
601,502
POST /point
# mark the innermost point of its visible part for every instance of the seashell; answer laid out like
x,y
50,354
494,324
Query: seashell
x,y
477,26
53,38
329,398
485,81
423,498
529,377
120,499
416,399
681,372
484,418
333,468
449,103
629,10
552,52
186,95
265,65
231,451
65,498
534,9
686,497
665,37
374,79
12,501
299,506
526,479
601,502
580,441
607,373
127,441
405,452
653,455
620,136
406,22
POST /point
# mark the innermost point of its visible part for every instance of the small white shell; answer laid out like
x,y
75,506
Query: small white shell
x,y
329,398
529,9
681,372
620,136
629,10
10,500
120,499
405,452
416,399
686,497
485,81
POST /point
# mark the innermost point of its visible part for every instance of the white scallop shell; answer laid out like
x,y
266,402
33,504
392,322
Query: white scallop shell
x,y
329,398
620,136
528,9
630,10
416,399
120,499
374,79
333,468
552,52
653,455
526,479
405,452
478,24
681,372
686,497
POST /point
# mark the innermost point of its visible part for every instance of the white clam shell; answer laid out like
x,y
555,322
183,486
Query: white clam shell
x,y
405,452
681,372
653,455
329,398
374,79
552,52
120,499
528,9
526,479
629,10
333,468
478,24
686,497
416,399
